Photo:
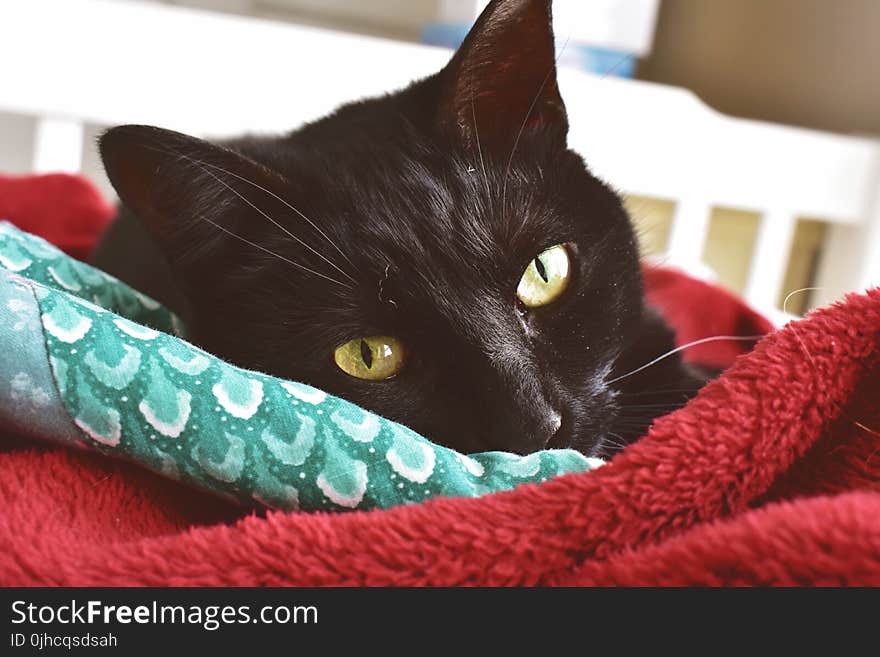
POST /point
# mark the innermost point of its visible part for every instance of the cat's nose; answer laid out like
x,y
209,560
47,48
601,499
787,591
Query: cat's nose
x,y
525,433
539,433
552,424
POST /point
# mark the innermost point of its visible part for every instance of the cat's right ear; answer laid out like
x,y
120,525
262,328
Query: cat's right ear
x,y
188,193
502,80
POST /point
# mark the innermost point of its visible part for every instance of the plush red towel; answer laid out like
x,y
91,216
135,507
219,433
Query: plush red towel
x,y
65,209
770,476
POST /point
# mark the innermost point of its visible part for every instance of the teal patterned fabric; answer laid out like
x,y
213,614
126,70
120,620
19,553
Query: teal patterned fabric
x,y
133,388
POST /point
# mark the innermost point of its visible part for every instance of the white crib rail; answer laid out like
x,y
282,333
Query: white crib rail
x,y
58,145
73,62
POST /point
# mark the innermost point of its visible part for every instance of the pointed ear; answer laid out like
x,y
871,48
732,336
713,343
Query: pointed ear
x,y
502,80
188,193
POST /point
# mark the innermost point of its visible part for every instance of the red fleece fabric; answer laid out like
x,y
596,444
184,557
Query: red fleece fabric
x,y
698,310
771,476
65,209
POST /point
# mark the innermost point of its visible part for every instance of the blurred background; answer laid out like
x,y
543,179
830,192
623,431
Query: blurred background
x,y
809,64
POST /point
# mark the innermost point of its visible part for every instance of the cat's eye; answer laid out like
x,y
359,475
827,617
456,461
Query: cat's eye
x,y
375,358
546,277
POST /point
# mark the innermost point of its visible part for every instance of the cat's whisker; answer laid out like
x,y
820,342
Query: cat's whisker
x,y
607,442
636,423
203,166
525,121
657,391
694,343
639,401
272,253
602,450
239,237
283,229
618,436
480,149
297,211
665,399
615,66
638,407
795,331
795,293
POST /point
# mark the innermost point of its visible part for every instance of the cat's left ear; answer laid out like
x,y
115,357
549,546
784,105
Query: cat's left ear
x,y
191,195
502,80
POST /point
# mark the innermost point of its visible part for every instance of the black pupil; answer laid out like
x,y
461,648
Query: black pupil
x,y
366,354
541,271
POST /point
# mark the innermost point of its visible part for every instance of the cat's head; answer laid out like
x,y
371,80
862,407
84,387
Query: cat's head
x,y
436,255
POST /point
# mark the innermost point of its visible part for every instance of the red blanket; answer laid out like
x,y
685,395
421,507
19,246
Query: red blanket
x,y
770,476
61,208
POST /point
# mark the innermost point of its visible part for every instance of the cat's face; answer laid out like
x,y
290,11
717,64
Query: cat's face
x,y
437,256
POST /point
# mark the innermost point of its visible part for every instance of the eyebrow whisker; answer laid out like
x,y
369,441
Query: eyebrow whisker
x,y
252,205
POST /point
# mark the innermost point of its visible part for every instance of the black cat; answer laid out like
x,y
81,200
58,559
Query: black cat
x,y
436,255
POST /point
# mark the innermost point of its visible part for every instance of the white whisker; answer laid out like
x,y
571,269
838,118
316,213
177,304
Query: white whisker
x,y
291,207
793,329
272,253
202,164
671,352
806,351
526,120
480,149
619,443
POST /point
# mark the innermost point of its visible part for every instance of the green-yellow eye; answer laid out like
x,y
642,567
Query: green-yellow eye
x,y
545,278
375,358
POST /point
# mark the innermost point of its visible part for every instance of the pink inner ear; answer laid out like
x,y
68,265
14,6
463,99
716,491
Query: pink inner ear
x,y
503,77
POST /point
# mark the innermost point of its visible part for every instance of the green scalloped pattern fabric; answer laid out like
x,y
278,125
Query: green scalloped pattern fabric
x,y
137,391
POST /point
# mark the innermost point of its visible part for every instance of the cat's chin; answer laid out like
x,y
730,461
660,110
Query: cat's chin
x,y
560,441
594,440
568,438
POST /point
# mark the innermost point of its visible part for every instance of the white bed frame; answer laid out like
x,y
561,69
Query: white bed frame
x,y
77,62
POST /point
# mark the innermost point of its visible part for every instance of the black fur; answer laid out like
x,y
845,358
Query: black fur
x,y
415,216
